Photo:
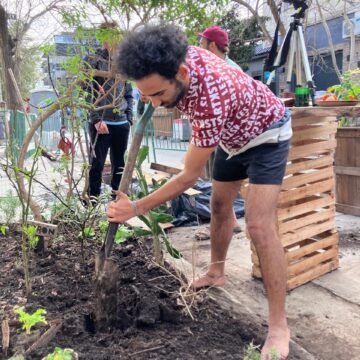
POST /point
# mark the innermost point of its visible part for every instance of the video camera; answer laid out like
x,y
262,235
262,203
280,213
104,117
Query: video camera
x,y
300,5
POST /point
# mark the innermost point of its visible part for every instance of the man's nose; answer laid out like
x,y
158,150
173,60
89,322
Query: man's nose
x,y
156,102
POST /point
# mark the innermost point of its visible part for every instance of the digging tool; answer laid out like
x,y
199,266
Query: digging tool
x,y
107,245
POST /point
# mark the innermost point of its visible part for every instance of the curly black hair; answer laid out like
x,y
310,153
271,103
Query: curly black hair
x,y
154,49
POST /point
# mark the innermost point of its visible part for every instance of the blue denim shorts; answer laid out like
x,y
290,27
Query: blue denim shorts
x,y
262,164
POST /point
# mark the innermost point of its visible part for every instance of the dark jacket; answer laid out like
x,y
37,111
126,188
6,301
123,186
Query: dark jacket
x,y
123,109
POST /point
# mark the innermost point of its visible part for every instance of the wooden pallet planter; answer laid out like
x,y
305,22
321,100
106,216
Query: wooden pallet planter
x,y
306,208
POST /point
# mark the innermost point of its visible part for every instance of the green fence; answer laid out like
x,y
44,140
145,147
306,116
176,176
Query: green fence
x,y
18,127
167,131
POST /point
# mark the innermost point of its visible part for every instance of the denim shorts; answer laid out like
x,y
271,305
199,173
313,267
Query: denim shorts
x,y
262,164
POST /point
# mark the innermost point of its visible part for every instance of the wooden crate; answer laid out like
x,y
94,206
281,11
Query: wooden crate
x,y
347,169
306,208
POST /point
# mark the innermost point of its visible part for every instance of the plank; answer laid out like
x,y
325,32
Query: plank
x,y
312,218
302,251
305,191
347,170
307,232
312,274
309,177
311,262
307,164
348,209
315,132
306,207
311,149
168,169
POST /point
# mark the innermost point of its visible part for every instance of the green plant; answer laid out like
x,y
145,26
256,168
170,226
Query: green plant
x,y
156,216
30,232
61,354
252,353
30,320
349,87
3,229
9,206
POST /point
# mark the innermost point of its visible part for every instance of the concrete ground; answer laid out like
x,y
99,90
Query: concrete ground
x,y
324,315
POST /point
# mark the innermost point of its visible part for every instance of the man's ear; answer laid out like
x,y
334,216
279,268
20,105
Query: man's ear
x,y
182,73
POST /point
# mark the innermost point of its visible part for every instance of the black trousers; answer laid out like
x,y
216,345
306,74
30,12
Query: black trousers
x,y
116,141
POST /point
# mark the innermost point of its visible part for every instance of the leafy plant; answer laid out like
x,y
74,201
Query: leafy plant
x,y
30,232
156,216
9,206
122,234
30,320
252,353
349,87
61,354
3,229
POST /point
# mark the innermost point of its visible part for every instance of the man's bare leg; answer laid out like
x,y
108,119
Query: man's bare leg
x,y
221,230
260,213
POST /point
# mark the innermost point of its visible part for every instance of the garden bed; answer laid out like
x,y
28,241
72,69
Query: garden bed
x,y
155,325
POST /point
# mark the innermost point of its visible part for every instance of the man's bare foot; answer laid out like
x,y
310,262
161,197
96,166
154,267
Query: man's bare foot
x,y
208,280
277,342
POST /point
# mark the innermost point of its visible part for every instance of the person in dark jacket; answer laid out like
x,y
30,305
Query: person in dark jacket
x,y
110,126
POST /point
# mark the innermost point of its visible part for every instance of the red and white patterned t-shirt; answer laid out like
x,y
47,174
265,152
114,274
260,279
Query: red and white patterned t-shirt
x,y
225,105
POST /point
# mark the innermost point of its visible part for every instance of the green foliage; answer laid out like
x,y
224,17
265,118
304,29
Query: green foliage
x,y
87,232
349,87
30,233
9,206
3,229
122,234
242,33
252,353
156,216
61,354
29,70
30,320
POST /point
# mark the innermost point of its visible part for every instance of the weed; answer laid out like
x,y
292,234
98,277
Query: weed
x,y
62,354
30,320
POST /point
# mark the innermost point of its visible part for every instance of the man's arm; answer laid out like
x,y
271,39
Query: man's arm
x,y
122,209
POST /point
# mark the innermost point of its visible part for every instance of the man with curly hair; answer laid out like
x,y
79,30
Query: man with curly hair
x,y
250,130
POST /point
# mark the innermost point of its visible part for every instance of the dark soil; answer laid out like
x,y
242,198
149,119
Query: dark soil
x,y
148,320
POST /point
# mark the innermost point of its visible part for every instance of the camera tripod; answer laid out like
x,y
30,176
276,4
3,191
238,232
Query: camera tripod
x,y
294,43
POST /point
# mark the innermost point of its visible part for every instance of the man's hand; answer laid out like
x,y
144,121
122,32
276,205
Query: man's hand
x,y
101,127
121,209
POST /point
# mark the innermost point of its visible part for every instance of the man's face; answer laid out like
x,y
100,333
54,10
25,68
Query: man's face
x,y
161,91
204,43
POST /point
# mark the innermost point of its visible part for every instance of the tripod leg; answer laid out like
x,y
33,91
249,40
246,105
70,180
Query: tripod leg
x,y
299,80
291,58
306,63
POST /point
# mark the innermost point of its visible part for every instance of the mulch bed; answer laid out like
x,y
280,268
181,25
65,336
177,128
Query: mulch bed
x,y
148,322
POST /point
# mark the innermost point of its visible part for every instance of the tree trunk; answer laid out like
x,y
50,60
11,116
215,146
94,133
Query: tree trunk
x,y
7,46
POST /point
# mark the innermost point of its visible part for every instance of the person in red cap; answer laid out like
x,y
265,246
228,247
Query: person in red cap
x,y
216,40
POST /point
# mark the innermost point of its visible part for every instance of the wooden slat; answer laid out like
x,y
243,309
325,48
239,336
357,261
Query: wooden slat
x,y
168,169
309,164
312,274
311,262
347,209
316,112
305,191
315,132
292,211
307,232
307,178
300,252
306,150
347,170
312,218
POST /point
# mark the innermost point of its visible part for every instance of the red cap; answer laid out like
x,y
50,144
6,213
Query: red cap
x,y
216,34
